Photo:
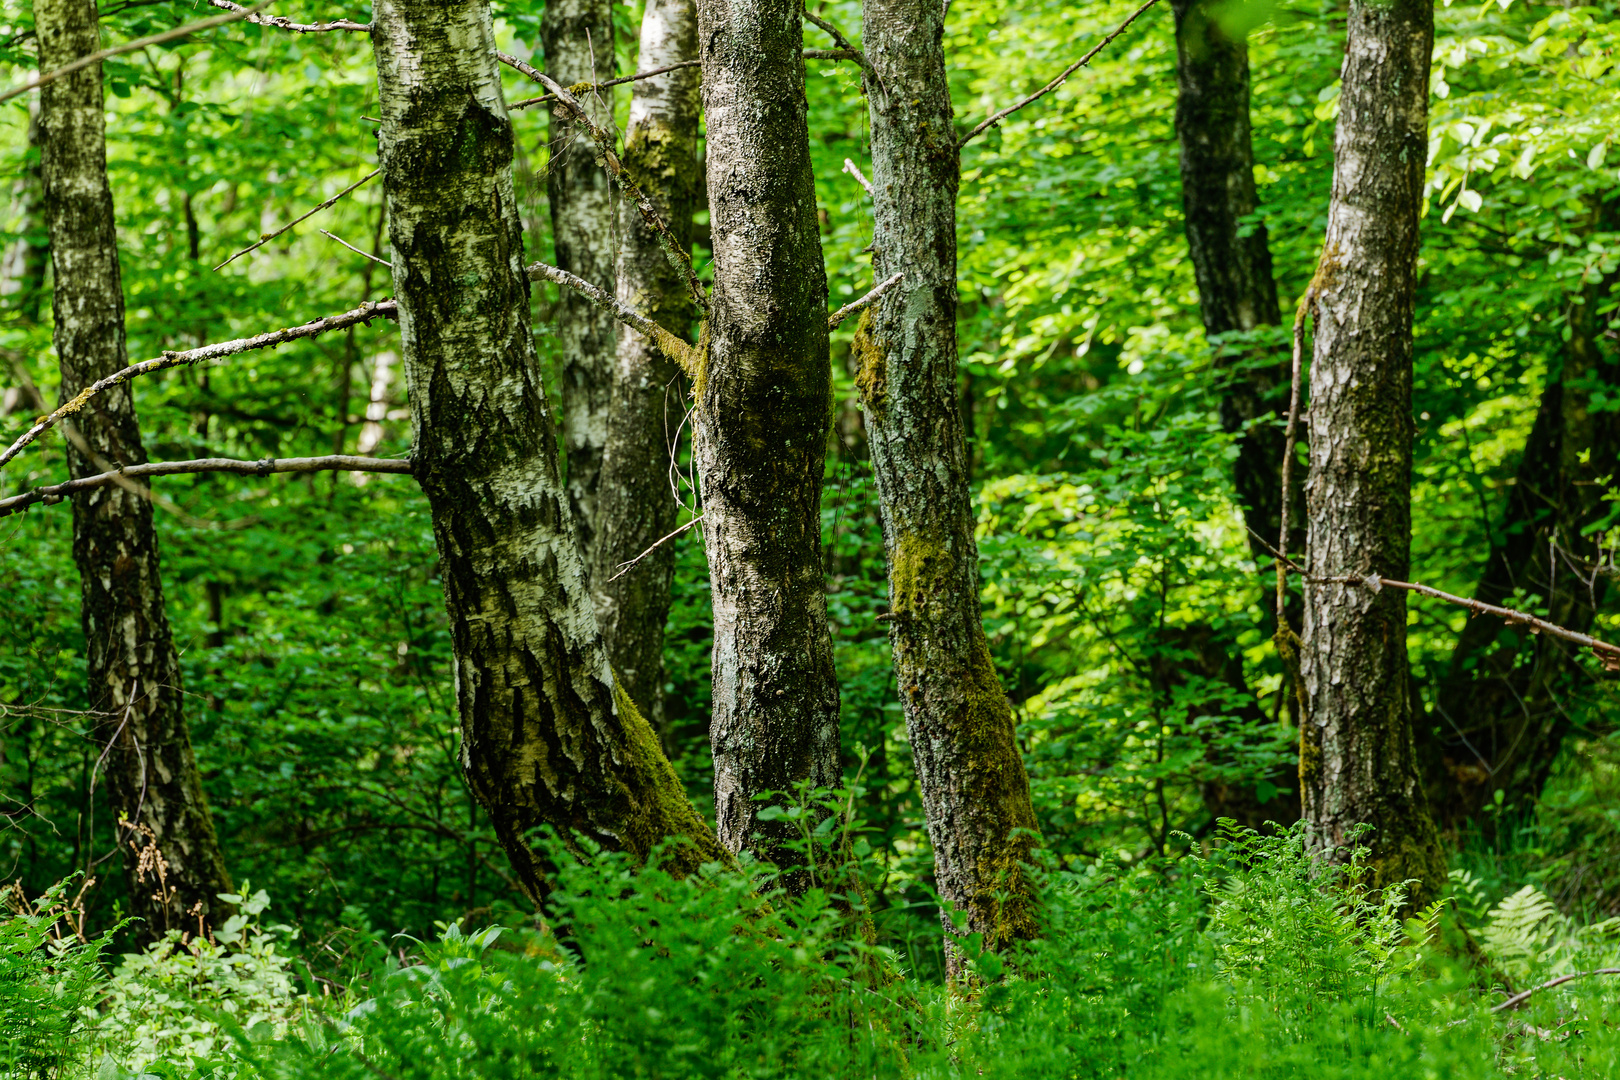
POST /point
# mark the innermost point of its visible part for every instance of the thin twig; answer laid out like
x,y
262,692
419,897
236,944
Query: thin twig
x,y
997,118
624,567
356,250
281,23
132,46
265,239
667,343
387,309
855,171
678,257
55,493
855,305
1290,433
1520,998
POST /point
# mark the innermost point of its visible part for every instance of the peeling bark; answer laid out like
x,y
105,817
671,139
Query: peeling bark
x,y
975,791
577,39
635,507
547,738
764,399
1357,759
172,855
1505,705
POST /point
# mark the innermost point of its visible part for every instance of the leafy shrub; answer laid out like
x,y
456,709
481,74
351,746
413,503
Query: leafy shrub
x,y
48,974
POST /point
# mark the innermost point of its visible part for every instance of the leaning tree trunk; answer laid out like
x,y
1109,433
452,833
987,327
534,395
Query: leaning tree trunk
x,y
1236,294
1509,698
1357,759
172,855
975,792
577,39
764,401
635,507
547,739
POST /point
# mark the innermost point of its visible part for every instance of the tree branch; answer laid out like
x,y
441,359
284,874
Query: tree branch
x,y
855,305
671,346
55,493
387,309
846,46
526,103
1520,998
132,46
356,250
997,118
267,237
680,259
287,24
625,567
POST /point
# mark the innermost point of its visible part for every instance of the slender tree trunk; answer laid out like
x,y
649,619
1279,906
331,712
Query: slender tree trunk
x,y
577,38
172,855
635,507
764,405
546,736
1357,759
1509,698
22,266
970,773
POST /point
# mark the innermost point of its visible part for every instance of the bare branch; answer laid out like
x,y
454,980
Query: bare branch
x,y
1520,998
678,257
287,24
855,171
997,118
671,346
855,305
846,46
625,567
55,493
132,46
356,250
267,237
387,309
546,99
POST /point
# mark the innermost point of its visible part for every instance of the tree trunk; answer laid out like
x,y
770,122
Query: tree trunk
x,y
22,267
577,39
1357,759
1506,703
764,399
635,507
172,855
975,792
546,736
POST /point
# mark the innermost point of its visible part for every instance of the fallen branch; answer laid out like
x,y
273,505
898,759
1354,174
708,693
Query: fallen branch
x,y
132,46
362,314
267,237
1520,998
855,305
678,257
624,567
667,343
55,493
281,23
997,118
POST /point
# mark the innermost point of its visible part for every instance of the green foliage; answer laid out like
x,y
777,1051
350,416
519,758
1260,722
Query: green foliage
x,y
48,976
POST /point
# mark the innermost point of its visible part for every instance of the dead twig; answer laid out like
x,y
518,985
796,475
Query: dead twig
x,y
624,567
281,23
267,237
1520,998
855,305
356,250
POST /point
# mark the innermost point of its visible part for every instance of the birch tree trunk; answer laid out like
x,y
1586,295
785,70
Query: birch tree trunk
x,y
764,402
1357,759
577,39
546,736
635,507
172,855
975,791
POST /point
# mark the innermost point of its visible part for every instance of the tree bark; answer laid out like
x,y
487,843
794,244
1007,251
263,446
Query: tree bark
x,y
22,267
635,507
547,738
970,773
577,39
1506,702
1357,758
172,855
764,402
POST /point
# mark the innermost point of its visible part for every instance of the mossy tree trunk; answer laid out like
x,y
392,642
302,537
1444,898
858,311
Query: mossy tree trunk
x,y
635,507
546,737
577,39
1509,698
975,792
1357,759
764,403
172,855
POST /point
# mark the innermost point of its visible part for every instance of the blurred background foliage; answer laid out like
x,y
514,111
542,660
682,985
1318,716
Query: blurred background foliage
x,y
308,611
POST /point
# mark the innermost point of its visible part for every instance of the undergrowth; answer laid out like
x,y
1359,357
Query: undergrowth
x,y
1251,959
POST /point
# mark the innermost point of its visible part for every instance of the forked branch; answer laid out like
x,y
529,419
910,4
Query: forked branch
x,y
267,237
